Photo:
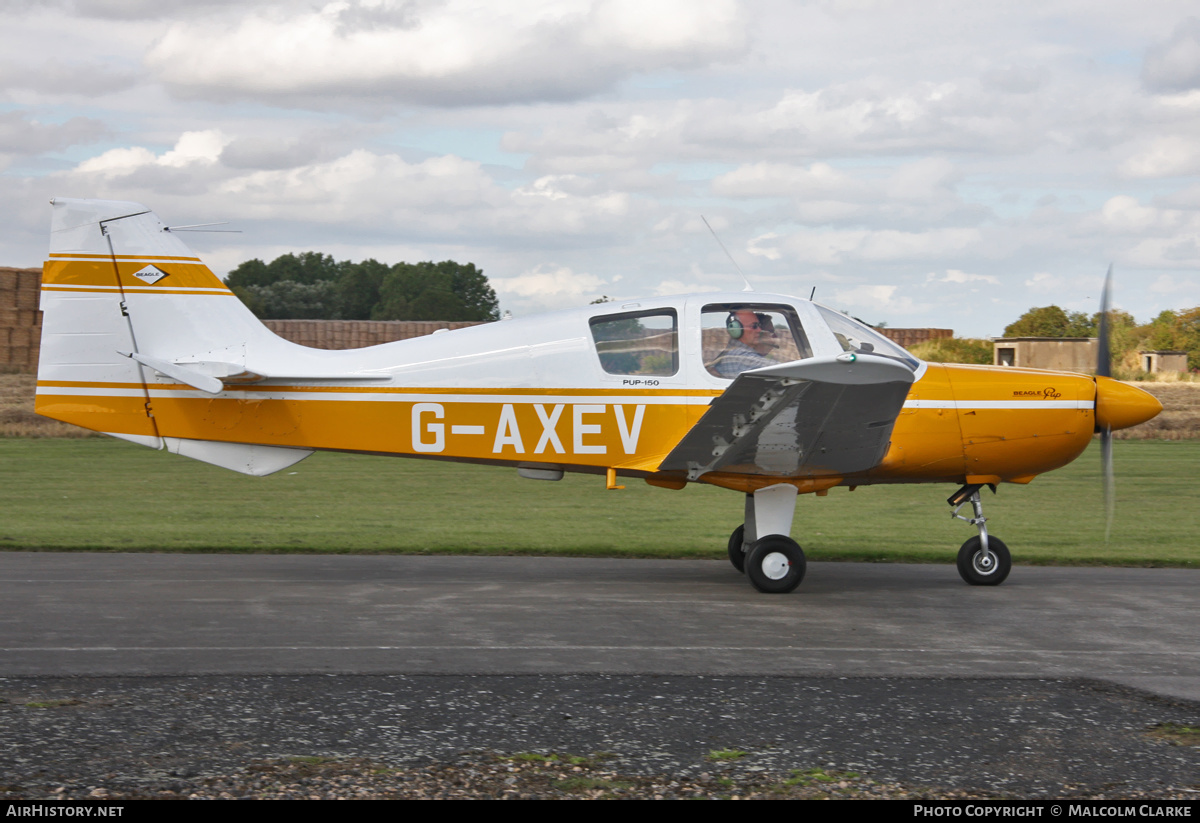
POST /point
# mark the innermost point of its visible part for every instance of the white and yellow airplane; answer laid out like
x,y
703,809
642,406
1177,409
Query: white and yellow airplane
x,y
768,395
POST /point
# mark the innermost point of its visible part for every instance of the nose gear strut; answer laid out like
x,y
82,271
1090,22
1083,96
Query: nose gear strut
x,y
982,560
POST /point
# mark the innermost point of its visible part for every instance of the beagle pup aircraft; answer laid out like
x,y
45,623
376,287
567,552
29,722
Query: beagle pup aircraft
x,y
770,396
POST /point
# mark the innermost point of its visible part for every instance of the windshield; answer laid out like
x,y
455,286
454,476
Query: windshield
x,y
856,337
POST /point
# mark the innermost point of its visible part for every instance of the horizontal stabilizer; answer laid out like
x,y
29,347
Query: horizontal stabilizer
x,y
827,415
211,377
183,374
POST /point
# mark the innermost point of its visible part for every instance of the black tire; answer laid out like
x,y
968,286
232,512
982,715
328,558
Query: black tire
x,y
775,564
737,554
974,569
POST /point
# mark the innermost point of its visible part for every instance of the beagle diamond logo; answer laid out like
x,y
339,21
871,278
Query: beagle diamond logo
x,y
150,274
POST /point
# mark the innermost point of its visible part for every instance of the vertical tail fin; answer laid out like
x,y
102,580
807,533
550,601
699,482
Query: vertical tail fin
x,y
123,302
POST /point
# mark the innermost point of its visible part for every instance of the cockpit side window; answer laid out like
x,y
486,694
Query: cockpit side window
x,y
738,337
638,342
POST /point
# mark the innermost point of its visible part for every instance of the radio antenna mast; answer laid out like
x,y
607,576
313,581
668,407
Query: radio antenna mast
x,y
730,256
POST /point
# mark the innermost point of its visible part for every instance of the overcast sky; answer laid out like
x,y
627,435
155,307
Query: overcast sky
x,y
943,164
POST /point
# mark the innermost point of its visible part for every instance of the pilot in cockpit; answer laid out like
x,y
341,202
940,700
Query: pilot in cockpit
x,y
752,336
768,340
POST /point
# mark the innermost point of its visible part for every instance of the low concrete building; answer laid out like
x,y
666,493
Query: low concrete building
x,y
1162,362
1077,354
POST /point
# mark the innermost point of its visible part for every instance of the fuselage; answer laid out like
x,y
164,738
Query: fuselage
x,y
610,386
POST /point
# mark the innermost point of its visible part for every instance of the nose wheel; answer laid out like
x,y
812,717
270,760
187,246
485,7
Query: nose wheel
x,y
983,560
981,567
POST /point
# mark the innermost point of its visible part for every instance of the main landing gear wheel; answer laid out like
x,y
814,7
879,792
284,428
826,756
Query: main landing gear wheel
x,y
981,569
775,564
737,552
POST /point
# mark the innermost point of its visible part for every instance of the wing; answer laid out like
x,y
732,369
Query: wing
x,y
826,415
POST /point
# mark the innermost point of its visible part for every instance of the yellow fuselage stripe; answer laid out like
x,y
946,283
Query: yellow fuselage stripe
x,y
933,439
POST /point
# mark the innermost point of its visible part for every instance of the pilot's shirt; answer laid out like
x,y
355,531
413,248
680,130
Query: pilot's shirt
x,y
737,358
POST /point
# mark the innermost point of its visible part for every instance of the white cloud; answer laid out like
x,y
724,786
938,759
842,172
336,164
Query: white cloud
x,y
451,53
848,113
820,180
674,286
1175,285
550,287
61,77
128,10
441,197
1127,216
552,282
1045,283
268,153
765,246
1075,291
925,180
364,185
1173,252
1174,65
1016,79
883,117
118,161
20,133
956,276
917,192
194,147
1170,156
553,186
864,245
877,298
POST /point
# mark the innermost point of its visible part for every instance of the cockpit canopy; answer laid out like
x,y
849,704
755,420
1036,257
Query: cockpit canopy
x,y
735,336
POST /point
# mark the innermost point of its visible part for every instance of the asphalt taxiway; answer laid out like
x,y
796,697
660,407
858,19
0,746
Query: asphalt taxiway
x,y
183,614
153,672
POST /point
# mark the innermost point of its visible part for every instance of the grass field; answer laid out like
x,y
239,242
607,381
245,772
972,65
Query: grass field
x,y
107,495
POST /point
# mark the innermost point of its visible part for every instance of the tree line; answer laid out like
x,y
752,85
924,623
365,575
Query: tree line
x,y
1169,331
312,285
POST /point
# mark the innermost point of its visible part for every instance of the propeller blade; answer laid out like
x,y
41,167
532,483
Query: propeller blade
x,y
1104,369
1110,492
1104,353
